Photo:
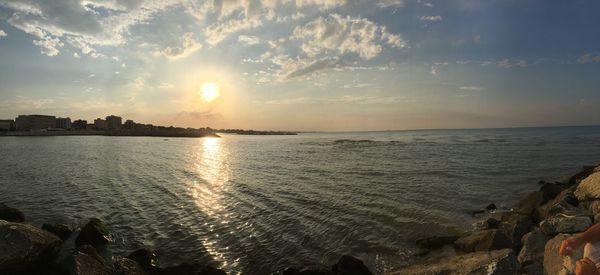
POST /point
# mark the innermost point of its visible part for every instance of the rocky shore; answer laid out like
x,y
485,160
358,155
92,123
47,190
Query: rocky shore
x,y
524,239
57,249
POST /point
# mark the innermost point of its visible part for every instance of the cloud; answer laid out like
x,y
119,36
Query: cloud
x,y
510,63
436,66
472,88
188,46
431,18
322,4
588,58
313,67
48,45
248,40
336,33
215,33
351,99
389,3
2,33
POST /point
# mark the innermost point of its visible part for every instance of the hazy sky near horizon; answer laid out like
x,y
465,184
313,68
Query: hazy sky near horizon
x,y
304,64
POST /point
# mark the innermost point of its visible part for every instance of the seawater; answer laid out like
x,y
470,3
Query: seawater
x,y
259,204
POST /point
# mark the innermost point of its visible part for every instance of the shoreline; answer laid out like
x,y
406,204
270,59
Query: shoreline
x,y
522,240
115,133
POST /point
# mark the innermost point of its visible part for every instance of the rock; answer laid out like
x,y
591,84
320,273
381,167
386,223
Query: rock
x,y
86,261
125,266
93,233
529,204
436,241
556,264
565,224
561,206
191,269
515,225
497,262
586,171
348,265
145,257
10,214
532,253
477,212
294,271
485,240
23,247
533,268
589,188
60,230
490,223
596,218
550,190
491,207
594,207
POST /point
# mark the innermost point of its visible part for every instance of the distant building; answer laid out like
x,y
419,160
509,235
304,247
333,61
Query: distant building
x,y
100,124
63,123
113,122
79,124
7,125
129,124
34,122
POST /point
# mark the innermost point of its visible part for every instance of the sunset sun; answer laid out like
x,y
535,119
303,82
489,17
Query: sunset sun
x,y
209,91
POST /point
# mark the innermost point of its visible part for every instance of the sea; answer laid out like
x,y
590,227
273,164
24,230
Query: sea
x,y
260,204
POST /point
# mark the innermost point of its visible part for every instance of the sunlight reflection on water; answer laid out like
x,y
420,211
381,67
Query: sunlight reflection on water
x,y
212,167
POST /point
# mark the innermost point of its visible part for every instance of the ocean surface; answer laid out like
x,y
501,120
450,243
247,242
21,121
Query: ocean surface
x,y
259,204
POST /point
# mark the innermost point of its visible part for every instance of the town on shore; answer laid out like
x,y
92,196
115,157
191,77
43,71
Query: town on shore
x,y
49,125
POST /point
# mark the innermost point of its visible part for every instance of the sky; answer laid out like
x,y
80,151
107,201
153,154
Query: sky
x,y
322,65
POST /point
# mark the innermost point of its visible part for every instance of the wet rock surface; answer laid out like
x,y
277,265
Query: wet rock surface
x,y
10,214
93,233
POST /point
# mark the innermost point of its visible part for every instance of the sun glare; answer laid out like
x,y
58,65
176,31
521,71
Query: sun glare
x,y
209,91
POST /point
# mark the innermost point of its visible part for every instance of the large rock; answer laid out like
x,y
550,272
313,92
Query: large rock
x,y
486,240
295,271
557,264
144,257
24,246
60,230
586,171
589,188
515,225
86,261
531,256
10,214
565,224
530,203
497,262
564,203
93,233
348,265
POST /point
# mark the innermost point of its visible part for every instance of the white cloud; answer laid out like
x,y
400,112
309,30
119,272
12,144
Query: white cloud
x,y
431,18
436,66
48,45
188,46
2,33
215,33
76,55
335,33
351,99
389,3
509,63
472,88
248,40
322,4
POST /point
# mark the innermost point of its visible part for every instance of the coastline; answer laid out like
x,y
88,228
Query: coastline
x,y
120,133
522,240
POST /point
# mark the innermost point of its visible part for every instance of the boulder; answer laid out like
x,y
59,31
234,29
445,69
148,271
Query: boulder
x,y
495,262
531,256
191,269
586,171
295,271
93,233
348,265
529,204
565,224
435,241
589,188
10,214
145,257
489,223
593,206
491,207
515,225
60,230
23,247
556,264
125,266
553,208
86,261
486,240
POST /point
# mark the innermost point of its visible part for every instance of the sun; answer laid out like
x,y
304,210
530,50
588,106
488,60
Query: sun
x,y
209,91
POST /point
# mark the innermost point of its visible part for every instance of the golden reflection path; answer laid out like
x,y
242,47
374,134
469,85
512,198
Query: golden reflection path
x,y
212,166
